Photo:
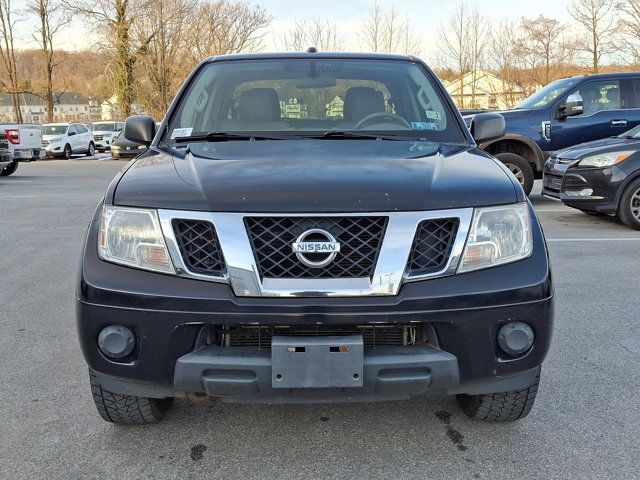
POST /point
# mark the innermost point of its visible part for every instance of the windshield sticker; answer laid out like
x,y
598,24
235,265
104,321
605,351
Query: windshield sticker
x,y
433,115
181,132
424,126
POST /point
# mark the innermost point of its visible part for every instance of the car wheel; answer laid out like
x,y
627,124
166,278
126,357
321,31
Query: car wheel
x,y
520,168
9,169
91,151
500,407
629,208
66,154
127,409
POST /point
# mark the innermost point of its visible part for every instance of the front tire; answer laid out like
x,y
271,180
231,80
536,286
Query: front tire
x,y
91,150
520,168
629,208
500,407
9,169
127,409
66,153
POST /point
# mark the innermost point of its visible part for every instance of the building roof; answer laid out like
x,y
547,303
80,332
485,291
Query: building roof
x,y
64,98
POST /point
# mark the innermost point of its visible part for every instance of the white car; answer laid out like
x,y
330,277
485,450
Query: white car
x,y
104,133
65,139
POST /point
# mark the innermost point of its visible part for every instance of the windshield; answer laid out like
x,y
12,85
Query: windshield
x,y
548,94
633,133
292,98
103,127
54,129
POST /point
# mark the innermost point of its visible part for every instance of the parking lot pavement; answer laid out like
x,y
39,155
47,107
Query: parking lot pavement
x,y
585,423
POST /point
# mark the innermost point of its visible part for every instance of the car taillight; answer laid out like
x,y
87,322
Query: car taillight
x,y
13,136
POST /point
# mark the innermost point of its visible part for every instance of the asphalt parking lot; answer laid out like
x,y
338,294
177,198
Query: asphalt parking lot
x,y
585,424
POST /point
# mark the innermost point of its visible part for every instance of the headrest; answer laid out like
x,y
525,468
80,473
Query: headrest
x,y
362,101
259,105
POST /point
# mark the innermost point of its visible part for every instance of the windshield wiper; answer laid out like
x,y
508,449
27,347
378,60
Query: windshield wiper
x,y
222,137
346,135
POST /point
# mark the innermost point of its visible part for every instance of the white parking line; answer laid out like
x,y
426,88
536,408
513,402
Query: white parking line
x,y
619,239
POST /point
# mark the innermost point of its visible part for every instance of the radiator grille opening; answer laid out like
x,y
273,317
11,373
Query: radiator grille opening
x,y
432,246
199,246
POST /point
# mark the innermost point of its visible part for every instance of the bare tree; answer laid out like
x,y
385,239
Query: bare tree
x,y
629,14
386,31
8,54
51,20
504,61
543,48
117,16
227,26
598,19
454,44
322,34
159,70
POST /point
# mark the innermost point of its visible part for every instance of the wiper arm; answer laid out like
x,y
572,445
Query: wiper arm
x,y
222,137
346,135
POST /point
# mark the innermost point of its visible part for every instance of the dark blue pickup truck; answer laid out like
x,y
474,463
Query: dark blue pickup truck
x,y
562,114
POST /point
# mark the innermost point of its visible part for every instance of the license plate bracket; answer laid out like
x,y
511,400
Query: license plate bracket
x,y
317,362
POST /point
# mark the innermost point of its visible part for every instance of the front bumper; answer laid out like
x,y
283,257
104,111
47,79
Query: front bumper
x,y
168,316
584,188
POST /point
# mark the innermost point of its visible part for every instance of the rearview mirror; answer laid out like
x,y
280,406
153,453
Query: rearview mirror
x,y
573,105
140,129
486,126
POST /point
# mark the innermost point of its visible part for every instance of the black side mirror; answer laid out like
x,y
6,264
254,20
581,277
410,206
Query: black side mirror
x,y
486,126
71,134
140,129
573,105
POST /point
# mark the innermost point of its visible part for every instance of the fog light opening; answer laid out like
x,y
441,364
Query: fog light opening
x,y
116,341
515,338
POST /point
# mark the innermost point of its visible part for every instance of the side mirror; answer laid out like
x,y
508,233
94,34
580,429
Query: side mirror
x,y
140,129
71,134
573,105
486,126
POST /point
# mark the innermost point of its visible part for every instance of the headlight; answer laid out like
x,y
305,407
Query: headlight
x,y
498,235
605,159
132,237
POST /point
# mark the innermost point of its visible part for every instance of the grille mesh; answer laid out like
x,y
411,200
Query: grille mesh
x,y
432,246
379,335
199,246
360,239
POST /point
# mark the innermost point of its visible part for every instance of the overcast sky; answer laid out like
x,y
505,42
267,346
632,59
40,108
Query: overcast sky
x,y
426,15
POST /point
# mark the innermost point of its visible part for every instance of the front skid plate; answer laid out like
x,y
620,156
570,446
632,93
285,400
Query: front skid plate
x,y
317,362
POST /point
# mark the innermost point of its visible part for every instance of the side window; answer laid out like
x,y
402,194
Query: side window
x,y
81,129
600,96
72,130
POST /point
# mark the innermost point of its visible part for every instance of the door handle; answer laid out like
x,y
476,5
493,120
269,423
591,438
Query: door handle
x,y
618,123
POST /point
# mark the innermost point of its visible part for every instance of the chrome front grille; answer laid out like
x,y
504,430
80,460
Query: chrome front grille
x,y
272,238
432,246
199,246
98,138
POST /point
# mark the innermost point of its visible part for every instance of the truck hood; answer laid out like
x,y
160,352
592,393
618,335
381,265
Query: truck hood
x,y
316,176
514,113
605,145
106,133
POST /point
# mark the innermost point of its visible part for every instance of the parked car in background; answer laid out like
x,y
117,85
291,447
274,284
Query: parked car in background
x,y
563,114
65,139
104,133
600,177
122,147
6,160
24,144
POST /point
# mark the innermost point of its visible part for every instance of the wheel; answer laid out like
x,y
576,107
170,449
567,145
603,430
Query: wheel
x,y
66,153
9,169
127,409
500,407
520,168
91,151
629,207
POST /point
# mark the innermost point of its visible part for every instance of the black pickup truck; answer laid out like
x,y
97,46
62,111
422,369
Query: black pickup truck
x,y
311,227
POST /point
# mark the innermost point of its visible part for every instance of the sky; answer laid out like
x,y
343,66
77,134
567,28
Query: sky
x,y
426,16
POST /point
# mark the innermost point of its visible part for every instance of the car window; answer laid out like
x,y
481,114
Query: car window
x,y
294,96
81,129
72,129
54,129
600,96
548,94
